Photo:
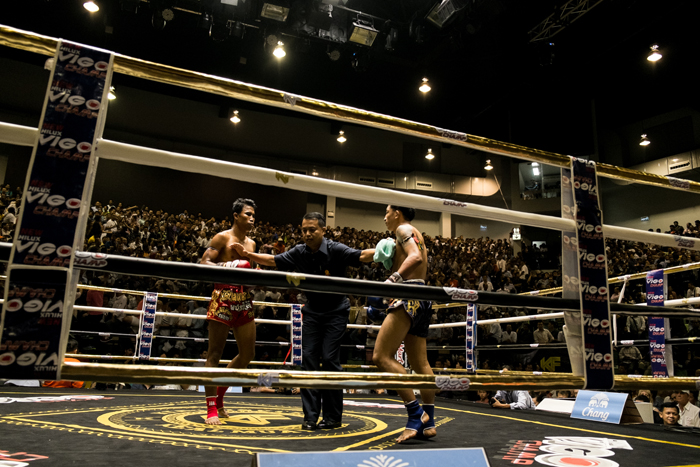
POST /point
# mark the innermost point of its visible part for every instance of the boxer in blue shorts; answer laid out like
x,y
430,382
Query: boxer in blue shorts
x,y
407,321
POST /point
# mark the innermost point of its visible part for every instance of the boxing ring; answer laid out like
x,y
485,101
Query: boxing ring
x,y
472,379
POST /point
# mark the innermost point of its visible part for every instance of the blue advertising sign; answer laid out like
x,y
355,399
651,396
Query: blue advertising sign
x,y
472,457
657,329
148,323
296,334
471,338
604,407
58,178
34,303
593,278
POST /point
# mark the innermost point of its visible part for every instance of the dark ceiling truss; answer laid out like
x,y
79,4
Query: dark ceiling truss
x,y
561,18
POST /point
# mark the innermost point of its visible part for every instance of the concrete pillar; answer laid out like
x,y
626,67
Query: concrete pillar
x,y
446,224
330,212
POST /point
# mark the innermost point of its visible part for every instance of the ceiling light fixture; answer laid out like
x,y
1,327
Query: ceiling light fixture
x,y
279,50
535,164
430,156
112,95
443,11
363,32
235,118
341,137
644,141
536,171
655,55
273,11
424,87
488,165
91,7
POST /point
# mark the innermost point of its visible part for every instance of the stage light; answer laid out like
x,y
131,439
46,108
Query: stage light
x,y
488,165
424,87
279,50
430,156
91,7
655,55
235,118
341,137
363,32
275,12
443,11
112,94
644,141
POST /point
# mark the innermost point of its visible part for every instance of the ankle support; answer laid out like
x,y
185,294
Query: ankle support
x,y
415,412
211,407
220,391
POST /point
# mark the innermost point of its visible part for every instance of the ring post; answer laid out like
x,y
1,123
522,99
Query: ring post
x,y
38,296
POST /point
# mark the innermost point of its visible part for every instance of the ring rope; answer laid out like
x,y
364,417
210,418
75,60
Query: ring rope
x,y
337,380
626,277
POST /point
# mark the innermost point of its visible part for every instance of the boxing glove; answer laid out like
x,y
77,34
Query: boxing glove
x,y
238,263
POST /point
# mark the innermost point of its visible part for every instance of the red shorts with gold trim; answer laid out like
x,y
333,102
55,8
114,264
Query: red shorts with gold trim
x,y
230,305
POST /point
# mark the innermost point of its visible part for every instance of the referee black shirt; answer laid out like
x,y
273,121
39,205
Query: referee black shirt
x,y
331,259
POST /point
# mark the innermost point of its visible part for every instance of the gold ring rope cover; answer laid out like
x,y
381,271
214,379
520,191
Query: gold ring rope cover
x,y
327,380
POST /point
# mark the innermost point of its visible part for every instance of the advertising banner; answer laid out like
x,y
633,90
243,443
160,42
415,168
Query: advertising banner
x,y
148,324
470,360
593,278
657,326
296,335
58,182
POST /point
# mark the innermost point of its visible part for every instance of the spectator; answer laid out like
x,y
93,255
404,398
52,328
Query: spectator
x,y
542,335
688,413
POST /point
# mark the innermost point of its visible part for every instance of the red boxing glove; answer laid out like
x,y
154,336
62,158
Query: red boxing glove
x,y
238,263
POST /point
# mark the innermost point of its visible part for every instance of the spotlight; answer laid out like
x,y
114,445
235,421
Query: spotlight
x,y
275,12
430,156
363,32
238,30
425,87
91,7
279,50
333,54
112,94
341,137
443,11
168,14
655,55
644,141
235,118
488,165
391,39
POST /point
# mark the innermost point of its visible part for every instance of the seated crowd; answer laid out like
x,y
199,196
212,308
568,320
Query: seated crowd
x,y
483,264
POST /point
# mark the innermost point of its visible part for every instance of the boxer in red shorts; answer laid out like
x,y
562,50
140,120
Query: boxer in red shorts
x,y
231,306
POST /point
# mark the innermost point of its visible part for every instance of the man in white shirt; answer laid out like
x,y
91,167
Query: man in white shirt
x,y
542,335
509,336
690,414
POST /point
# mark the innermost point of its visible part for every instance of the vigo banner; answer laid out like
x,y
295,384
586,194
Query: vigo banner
x,y
655,285
148,324
296,335
470,361
593,278
59,183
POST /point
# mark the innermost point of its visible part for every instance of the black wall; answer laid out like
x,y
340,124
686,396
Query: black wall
x,y
175,191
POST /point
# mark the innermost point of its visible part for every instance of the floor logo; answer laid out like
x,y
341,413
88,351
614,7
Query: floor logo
x,y
570,451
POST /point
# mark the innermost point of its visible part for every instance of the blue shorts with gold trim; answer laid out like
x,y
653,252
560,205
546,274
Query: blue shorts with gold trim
x,y
419,311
